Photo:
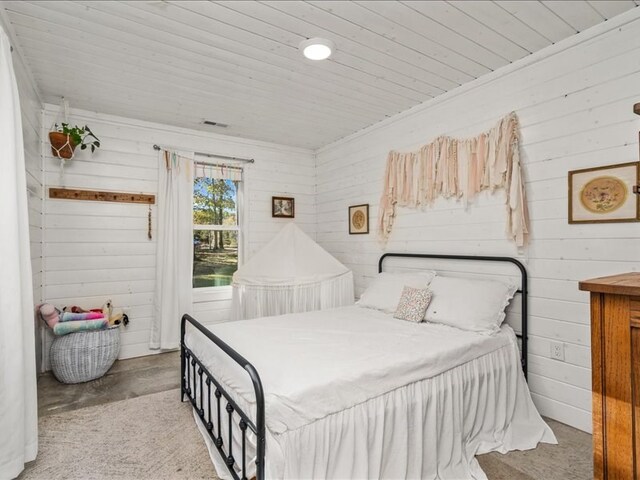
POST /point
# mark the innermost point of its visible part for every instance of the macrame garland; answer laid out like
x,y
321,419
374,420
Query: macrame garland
x,y
459,168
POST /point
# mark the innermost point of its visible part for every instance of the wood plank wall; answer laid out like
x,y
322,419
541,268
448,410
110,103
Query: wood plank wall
x,y
575,108
100,250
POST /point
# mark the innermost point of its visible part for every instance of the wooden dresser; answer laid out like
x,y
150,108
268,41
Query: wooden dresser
x,y
615,361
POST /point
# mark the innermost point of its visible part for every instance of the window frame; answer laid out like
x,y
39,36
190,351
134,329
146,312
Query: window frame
x,y
210,294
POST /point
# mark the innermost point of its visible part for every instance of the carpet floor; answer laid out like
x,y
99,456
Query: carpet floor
x,y
149,437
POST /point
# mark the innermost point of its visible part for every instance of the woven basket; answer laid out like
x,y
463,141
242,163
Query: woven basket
x,y
83,356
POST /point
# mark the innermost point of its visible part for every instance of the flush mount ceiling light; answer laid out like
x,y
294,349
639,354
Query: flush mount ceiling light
x,y
317,48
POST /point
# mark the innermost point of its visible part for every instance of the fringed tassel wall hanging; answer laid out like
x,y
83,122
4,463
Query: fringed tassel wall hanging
x,y
459,168
149,236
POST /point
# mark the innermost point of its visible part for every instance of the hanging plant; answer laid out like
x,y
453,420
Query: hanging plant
x,y
64,140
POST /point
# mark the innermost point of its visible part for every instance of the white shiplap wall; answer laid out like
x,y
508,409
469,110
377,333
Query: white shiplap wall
x,y
575,102
100,250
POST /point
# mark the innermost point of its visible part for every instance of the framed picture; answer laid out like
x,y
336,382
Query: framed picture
x,y
283,207
604,194
359,219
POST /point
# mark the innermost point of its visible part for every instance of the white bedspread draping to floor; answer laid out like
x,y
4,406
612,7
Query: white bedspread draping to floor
x,y
388,399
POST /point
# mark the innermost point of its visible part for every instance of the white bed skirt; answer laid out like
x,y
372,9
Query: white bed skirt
x,y
430,429
254,301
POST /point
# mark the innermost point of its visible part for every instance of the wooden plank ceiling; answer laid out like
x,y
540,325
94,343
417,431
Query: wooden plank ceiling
x,y
237,62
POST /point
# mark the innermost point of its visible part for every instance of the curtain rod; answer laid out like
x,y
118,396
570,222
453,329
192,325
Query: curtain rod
x,y
213,155
221,165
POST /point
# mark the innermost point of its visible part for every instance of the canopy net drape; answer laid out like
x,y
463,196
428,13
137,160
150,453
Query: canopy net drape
x,y
292,273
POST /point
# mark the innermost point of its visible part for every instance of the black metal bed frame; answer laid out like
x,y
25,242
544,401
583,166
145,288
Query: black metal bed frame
x,y
188,362
193,385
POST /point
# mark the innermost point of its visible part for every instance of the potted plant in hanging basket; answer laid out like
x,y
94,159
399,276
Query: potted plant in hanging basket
x,y
64,140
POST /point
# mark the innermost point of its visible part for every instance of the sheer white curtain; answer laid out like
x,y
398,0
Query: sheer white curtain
x,y
174,256
18,397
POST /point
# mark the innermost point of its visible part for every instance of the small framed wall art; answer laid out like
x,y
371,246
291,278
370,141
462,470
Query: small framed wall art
x,y
605,194
359,219
283,207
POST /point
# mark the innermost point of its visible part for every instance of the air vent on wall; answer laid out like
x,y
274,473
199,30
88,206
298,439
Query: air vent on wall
x,y
215,124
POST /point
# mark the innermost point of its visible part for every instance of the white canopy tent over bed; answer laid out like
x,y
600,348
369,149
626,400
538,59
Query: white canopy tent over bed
x,y
291,274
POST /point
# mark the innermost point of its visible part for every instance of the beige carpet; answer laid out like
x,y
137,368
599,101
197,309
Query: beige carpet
x,y
154,437
148,437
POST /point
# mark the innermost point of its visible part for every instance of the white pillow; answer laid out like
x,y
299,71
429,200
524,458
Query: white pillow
x,y
476,305
385,290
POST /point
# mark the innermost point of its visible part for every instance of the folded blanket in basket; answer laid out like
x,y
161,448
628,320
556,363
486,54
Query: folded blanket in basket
x,y
72,317
64,328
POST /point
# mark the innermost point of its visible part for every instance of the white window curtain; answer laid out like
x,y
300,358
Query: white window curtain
x,y
174,256
18,394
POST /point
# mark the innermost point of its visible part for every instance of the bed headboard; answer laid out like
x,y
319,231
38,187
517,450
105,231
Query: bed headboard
x,y
523,290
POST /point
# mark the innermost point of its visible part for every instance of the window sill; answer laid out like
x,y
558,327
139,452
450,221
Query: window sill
x,y
212,294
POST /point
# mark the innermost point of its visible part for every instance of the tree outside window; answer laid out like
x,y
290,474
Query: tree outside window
x,y
215,231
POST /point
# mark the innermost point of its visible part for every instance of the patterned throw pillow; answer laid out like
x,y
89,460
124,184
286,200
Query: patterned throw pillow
x,y
413,304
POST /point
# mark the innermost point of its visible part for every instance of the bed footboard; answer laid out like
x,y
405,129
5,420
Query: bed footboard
x,y
206,394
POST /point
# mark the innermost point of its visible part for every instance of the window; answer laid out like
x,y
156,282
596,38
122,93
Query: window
x,y
216,229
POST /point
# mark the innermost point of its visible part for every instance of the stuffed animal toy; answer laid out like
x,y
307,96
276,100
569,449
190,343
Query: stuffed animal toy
x,y
107,310
118,317
50,314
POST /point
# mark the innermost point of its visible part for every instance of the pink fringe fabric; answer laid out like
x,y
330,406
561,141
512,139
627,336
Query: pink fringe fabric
x,y
456,168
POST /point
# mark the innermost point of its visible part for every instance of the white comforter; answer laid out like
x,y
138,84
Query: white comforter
x,y
317,365
321,362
